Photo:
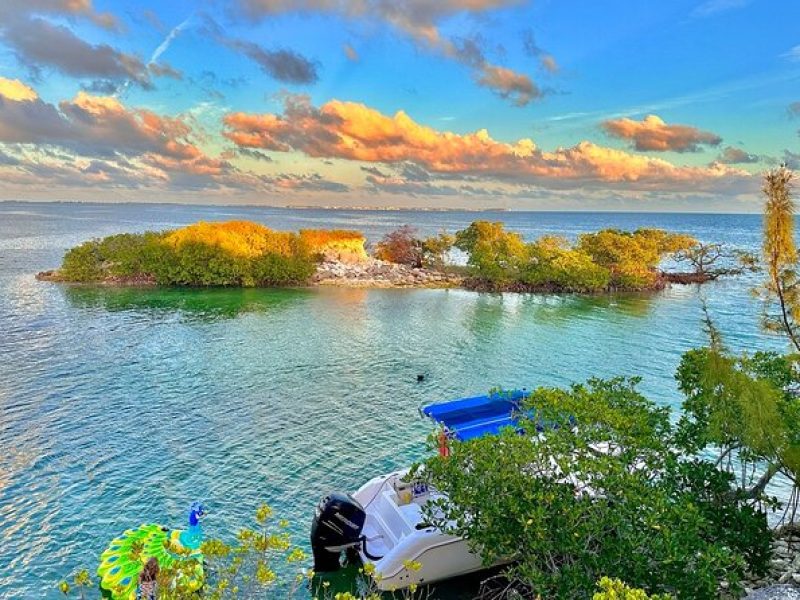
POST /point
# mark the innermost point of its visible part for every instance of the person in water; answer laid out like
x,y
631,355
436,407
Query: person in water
x,y
146,589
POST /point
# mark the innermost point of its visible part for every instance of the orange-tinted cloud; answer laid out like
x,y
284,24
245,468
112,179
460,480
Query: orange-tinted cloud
x,y
735,156
107,140
10,9
15,90
654,135
349,130
509,84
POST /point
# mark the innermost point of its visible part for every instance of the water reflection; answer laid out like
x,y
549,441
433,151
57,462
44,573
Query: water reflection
x,y
204,303
495,312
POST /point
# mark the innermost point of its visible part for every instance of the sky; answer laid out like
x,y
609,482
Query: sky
x,y
476,104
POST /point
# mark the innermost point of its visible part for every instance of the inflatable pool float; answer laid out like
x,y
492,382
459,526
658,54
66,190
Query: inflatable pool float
x,y
122,561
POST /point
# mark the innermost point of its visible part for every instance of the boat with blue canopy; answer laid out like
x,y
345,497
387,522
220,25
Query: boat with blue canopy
x,y
476,416
382,522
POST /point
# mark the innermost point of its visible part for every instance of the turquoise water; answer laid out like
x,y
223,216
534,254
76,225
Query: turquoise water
x,y
121,406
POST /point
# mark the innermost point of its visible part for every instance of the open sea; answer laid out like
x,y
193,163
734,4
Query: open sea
x,y
121,406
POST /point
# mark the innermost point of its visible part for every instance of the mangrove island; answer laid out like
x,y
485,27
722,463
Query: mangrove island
x,y
249,254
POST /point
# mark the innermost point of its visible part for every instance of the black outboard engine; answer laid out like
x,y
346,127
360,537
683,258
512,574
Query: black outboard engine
x,y
337,525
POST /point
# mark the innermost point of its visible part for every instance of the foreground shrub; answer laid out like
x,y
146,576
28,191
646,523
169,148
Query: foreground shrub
x,y
615,589
599,491
261,562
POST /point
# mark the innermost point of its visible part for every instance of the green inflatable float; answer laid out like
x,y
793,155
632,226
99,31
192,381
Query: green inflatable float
x,y
123,560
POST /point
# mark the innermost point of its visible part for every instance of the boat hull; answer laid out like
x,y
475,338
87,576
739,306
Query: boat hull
x,y
419,554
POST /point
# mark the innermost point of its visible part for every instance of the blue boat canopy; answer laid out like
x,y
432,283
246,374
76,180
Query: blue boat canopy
x,y
473,417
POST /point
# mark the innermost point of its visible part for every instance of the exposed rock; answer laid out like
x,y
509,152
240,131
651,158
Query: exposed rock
x,y
378,273
784,573
775,592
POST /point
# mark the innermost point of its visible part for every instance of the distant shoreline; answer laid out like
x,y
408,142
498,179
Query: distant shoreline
x,y
467,210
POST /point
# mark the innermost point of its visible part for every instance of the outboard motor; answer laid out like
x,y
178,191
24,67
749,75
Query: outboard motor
x,y
338,521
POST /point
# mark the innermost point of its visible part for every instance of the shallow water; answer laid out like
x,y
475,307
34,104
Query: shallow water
x,y
121,406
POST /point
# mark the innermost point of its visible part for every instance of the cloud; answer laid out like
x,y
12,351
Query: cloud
x,y
792,54
13,9
735,156
350,52
282,64
532,49
39,42
398,185
794,109
509,84
504,82
102,128
247,153
98,141
15,90
164,70
420,20
103,87
314,182
353,131
792,159
654,135
713,7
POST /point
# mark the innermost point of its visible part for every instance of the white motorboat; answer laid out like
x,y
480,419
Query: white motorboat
x,y
383,520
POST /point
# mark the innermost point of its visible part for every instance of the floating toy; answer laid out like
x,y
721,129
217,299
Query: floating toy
x,y
123,560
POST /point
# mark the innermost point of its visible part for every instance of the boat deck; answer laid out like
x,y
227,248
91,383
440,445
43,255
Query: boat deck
x,y
389,521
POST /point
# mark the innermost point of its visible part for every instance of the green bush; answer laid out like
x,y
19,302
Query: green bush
x,y
495,255
600,491
83,263
615,589
554,263
608,259
190,262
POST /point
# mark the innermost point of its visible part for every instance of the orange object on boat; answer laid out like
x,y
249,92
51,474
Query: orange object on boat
x,y
444,444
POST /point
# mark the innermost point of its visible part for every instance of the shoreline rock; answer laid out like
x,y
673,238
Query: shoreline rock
x,y
376,273
783,578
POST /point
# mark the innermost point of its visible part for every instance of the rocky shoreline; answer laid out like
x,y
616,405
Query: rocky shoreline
x,y
374,273
783,578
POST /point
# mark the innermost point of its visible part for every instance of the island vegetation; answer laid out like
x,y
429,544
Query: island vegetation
x,y
246,254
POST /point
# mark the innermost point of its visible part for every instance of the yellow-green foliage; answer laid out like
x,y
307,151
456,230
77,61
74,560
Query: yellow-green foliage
x,y
632,257
343,244
779,246
554,262
494,253
743,403
615,589
234,253
602,260
237,238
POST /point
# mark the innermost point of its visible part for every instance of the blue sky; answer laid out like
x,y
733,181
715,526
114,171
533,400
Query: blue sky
x,y
635,105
